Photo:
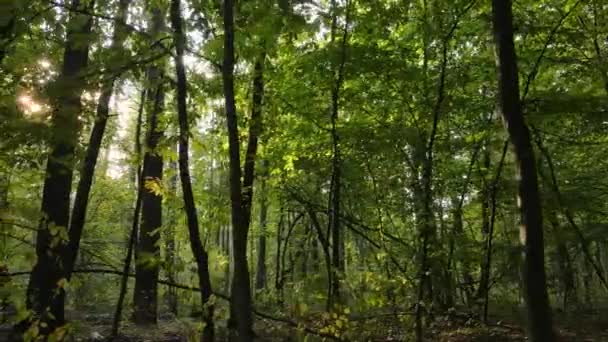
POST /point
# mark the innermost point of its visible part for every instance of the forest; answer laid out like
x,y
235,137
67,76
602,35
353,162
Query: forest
x,y
303,170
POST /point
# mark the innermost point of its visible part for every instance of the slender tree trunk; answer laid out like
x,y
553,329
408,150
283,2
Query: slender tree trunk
x,y
200,254
255,130
241,320
131,241
170,248
490,238
132,238
137,138
45,295
87,173
531,229
260,278
337,236
485,200
4,211
278,271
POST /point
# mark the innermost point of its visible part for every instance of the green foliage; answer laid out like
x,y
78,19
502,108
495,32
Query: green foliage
x,y
391,91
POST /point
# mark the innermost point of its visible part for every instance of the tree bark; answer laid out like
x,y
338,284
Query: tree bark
x,y
241,320
337,236
531,228
198,251
147,252
170,247
260,278
45,295
484,278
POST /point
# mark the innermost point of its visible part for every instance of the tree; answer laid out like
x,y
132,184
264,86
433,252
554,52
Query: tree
x,y
200,254
145,299
240,303
45,293
531,229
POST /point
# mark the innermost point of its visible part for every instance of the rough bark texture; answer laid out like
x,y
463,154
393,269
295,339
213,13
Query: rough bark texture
x,y
147,251
44,292
531,229
147,254
90,161
241,319
198,251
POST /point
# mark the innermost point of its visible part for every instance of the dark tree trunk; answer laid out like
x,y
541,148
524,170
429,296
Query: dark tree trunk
x,y
337,236
131,241
170,247
484,278
255,129
278,271
147,252
90,160
132,238
198,251
241,320
531,229
45,296
4,207
260,277
490,238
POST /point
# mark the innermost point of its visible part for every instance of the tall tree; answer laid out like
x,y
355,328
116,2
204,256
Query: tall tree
x,y
260,275
45,293
200,254
148,249
335,227
531,228
241,320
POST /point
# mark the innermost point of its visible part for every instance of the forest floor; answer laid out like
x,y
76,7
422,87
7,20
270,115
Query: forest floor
x,y
588,326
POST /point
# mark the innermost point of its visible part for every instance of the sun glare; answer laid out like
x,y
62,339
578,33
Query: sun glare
x,y
44,64
28,105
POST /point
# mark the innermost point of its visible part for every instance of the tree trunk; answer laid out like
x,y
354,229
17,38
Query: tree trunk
x,y
170,247
531,228
45,295
4,211
132,238
147,254
260,278
241,320
131,241
87,173
198,251
484,278
337,236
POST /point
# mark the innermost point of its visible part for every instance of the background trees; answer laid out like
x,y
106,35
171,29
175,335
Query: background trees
x,y
366,172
